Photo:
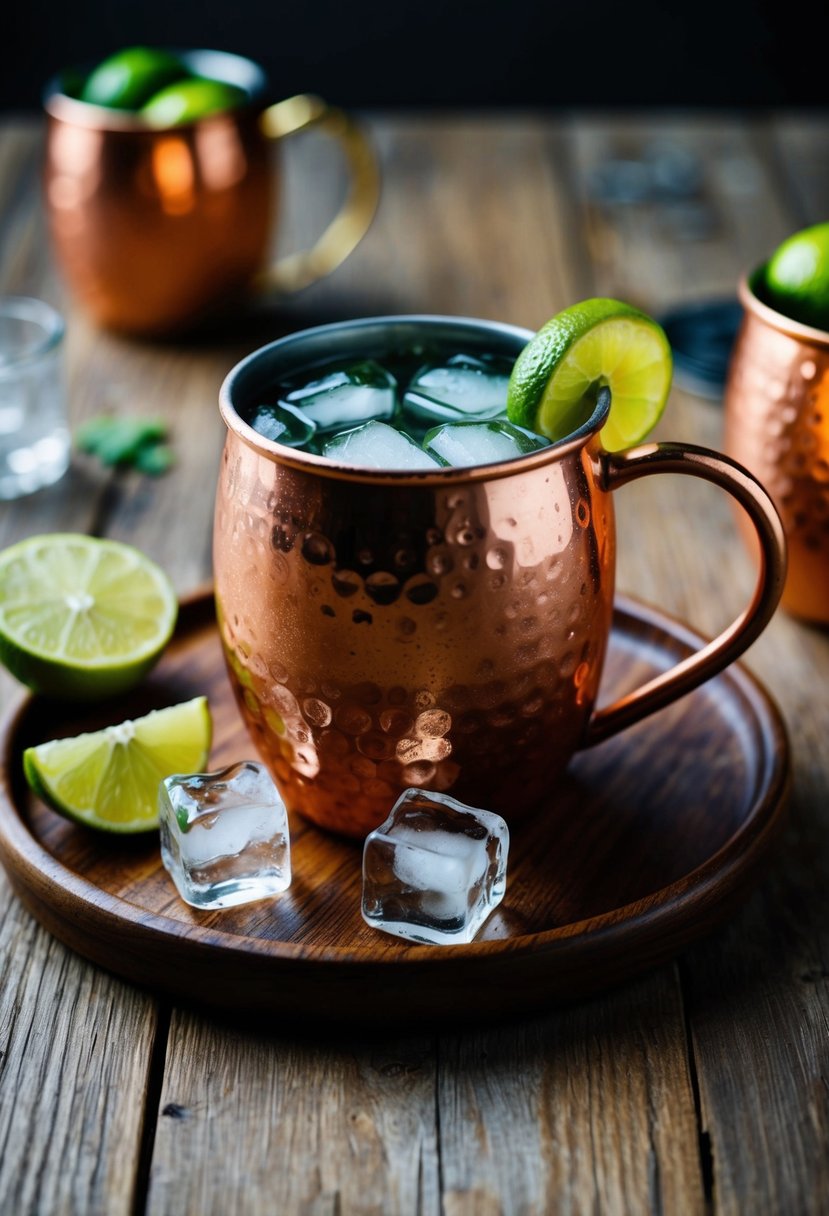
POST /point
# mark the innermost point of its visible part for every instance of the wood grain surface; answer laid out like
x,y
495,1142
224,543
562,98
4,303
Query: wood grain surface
x,y
699,1088
646,843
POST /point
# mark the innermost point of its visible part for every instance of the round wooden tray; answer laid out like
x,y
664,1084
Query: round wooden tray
x,y
645,845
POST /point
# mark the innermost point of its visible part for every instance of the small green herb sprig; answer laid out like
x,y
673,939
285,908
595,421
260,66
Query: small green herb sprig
x,y
127,441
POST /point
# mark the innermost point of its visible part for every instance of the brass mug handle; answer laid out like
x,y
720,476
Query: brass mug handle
x,y
617,469
352,221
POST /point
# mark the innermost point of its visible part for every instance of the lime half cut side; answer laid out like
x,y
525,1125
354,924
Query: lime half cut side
x,y
557,377
81,617
109,779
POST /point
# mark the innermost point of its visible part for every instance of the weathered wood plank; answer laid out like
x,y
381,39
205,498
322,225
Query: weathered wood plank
x,y
756,993
259,1124
75,1045
587,1111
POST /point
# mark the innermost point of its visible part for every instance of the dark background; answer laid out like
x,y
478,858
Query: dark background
x,y
492,53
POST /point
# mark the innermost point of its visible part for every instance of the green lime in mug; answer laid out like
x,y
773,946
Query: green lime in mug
x,y
160,186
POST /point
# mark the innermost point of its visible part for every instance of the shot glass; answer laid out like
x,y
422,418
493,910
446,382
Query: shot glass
x,y
34,436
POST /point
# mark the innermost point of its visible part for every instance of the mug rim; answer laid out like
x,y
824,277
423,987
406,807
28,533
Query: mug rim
x,y
752,303
309,462
62,105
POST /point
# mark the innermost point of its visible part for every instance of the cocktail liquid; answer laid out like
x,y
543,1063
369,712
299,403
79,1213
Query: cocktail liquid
x,y
408,412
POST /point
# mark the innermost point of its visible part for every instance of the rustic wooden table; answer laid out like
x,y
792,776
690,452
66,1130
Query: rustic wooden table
x,y
700,1088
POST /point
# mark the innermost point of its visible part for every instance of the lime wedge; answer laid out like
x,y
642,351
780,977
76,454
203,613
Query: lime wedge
x,y
557,376
81,617
109,779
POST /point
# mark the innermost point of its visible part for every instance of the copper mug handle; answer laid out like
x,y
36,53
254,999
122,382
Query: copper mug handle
x,y
352,221
618,468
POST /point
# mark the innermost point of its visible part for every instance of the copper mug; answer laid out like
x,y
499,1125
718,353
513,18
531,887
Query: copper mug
x,y
438,629
777,424
155,228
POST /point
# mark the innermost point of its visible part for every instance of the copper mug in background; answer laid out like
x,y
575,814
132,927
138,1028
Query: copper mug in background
x,y
155,228
440,629
777,424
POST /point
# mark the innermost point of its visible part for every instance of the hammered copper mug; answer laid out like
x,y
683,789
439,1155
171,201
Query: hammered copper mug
x,y
156,228
777,424
437,629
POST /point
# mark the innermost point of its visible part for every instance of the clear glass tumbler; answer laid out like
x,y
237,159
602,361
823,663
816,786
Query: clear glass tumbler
x,y
34,436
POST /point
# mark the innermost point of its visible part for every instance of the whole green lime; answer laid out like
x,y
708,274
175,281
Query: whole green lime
x,y
189,100
130,77
797,277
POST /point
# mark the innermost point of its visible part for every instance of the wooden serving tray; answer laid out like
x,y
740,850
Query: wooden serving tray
x,y
646,845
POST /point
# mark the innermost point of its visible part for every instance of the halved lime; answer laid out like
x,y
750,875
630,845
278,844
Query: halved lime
x,y
189,100
130,77
557,376
109,779
81,617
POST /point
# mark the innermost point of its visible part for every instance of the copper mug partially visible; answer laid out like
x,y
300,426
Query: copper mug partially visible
x,y
440,629
777,424
155,228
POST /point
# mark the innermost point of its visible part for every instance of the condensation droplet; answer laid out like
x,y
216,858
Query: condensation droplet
x,y
497,557
382,587
375,746
434,722
420,590
316,712
367,693
808,369
317,549
352,719
396,721
439,561
346,582
458,591
418,773
581,673
582,513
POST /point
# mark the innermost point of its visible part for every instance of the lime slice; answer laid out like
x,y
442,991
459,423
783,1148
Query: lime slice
x,y
109,779
130,77
189,100
81,617
797,277
557,376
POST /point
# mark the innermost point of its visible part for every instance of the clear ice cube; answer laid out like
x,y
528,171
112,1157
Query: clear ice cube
x,y
224,836
283,424
375,445
435,870
467,443
347,397
463,387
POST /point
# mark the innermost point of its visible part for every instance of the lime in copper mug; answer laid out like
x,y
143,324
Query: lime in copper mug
x,y
443,629
156,227
777,424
